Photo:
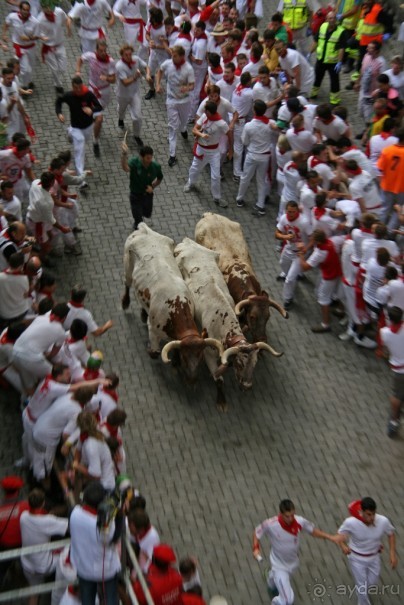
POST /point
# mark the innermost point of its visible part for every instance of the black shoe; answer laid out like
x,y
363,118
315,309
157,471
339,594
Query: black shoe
x,y
139,141
240,203
96,149
287,304
281,277
184,134
349,86
257,211
172,160
150,94
60,90
360,135
77,230
121,124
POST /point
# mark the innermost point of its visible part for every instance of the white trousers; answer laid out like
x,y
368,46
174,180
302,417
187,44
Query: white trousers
x,y
350,304
200,74
255,165
80,136
290,264
27,65
43,457
131,32
13,377
134,104
238,147
211,157
31,370
366,571
88,45
56,60
27,438
59,238
177,119
281,580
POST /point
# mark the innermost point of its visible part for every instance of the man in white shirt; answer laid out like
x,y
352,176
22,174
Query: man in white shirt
x,y
229,82
296,66
93,551
143,533
378,142
38,527
208,131
91,15
52,22
101,72
391,294
16,113
10,202
360,537
180,84
24,36
256,138
266,89
327,126
78,311
129,70
15,164
370,246
14,291
242,101
283,532
392,338
298,137
199,63
40,341
363,188
128,13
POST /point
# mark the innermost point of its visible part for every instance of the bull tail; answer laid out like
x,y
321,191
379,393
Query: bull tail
x,y
128,263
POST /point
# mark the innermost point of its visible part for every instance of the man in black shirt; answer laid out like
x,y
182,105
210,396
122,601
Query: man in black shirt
x,y
85,110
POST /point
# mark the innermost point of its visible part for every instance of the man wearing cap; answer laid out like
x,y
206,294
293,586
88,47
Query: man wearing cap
x,y
216,38
10,513
284,533
164,582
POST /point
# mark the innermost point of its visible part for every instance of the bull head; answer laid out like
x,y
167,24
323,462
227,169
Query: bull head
x,y
178,344
256,308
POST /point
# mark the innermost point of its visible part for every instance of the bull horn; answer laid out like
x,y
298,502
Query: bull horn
x,y
279,308
263,346
216,344
228,353
170,346
240,306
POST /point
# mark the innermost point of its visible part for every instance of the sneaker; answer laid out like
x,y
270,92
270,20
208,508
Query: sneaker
x,y
392,428
75,250
172,160
187,188
96,149
345,336
221,203
240,203
320,329
365,342
184,134
257,211
281,277
273,592
150,94
236,179
139,141
60,90
287,304
121,124
343,322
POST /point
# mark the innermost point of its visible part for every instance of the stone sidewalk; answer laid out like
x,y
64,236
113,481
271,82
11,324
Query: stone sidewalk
x,y
313,428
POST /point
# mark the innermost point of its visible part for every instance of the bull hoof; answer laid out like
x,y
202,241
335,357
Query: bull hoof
x,y
222,407
143,316
125,301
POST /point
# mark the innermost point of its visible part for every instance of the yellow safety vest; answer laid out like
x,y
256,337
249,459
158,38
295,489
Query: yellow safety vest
x,y
352,21
295,13
331,52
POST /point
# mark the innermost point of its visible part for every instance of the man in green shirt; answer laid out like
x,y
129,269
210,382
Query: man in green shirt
x,y
144,176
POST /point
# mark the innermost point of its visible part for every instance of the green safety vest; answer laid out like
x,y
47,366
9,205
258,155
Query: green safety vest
x,y
350,22
295,14
331,52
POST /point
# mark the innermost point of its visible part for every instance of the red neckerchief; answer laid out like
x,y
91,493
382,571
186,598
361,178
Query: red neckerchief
x,y
238,71
319,212
89,509
50,17
112,393
395,328
90,2
290,219
355,510
91,374
294,528
58,177
22,18
364,230
253,59
201,36
4,340
76,305
239,88
185,36
314,189
263,119
45,387
53,317
180,64
72,340
192,13
215,117
129,63
315,162
142,533
227,61
83,437
84,89
230,82
157,26
105,59
292,165
16,153
297,130
355,172
112,430
74,590
37,511
217,70
385,135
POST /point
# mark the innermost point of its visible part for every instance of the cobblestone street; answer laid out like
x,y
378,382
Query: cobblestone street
x,y
313,427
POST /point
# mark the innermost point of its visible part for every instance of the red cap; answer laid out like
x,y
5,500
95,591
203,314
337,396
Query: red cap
x,y
12,483
164,553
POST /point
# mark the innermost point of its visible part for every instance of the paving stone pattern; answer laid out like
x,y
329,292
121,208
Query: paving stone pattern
x,y
313,428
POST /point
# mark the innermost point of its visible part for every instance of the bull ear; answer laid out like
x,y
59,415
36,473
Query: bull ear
x,y
204,333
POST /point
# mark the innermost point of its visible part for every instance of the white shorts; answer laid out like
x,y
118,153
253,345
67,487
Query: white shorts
x,y
327,289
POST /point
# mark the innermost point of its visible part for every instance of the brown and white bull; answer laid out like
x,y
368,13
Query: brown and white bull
x,y
151,269
214,312
226,237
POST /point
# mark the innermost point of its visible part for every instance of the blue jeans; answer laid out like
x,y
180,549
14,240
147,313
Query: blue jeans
x,y
109,590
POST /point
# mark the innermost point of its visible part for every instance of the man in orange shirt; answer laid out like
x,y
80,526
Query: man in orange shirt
x,y
391,166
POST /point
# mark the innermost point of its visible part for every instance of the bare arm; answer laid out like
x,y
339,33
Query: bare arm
x,y
102,329
392,548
